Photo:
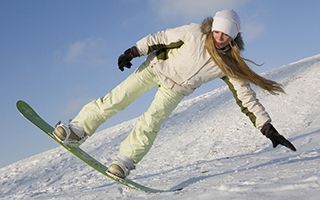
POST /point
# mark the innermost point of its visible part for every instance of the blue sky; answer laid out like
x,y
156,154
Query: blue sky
x,y
58,55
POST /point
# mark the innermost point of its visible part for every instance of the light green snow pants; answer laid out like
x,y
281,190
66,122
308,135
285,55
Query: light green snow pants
x,y
141,138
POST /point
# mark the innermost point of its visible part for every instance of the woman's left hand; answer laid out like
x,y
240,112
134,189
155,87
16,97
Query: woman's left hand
x,y
270,132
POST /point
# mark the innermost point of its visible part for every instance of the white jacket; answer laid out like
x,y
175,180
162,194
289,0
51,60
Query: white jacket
x,y
187,65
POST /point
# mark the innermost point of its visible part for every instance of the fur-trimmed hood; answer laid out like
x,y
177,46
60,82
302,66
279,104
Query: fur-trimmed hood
x,y
206,27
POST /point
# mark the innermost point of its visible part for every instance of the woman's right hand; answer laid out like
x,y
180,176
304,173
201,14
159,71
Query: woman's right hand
x,y
124,59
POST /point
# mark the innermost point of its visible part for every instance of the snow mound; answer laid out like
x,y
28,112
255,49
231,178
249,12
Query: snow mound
x,y
207,146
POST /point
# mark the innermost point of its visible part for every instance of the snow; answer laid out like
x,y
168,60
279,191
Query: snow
x,y
207,146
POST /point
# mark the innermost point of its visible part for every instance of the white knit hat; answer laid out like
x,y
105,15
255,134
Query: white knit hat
x,y
228,22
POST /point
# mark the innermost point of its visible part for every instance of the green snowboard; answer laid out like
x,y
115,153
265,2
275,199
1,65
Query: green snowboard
x,y
35,119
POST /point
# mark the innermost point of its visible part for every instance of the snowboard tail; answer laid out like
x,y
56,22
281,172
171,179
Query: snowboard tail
x,y
28,112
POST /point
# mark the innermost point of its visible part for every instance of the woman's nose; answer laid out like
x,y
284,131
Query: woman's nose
x,y
220,36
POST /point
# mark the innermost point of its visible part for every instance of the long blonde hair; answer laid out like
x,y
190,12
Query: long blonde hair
x,y
233,65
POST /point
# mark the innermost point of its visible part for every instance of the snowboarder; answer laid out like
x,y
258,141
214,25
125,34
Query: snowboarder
x,y
179,61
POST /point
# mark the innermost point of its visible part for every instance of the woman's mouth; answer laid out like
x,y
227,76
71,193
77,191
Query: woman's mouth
x,y
220,45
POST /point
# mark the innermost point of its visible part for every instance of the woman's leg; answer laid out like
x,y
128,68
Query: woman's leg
x,y
98,111
140,140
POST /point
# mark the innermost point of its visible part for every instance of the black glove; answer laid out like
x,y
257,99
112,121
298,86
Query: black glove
x,y
125,58
270,132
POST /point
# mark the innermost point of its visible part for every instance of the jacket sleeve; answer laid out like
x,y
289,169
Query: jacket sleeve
x,y
164,39
246,99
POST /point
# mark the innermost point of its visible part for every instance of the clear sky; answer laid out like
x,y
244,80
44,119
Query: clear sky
x,y
59,54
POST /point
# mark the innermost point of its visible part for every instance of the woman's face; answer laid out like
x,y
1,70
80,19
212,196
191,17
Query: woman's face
x,y
222,39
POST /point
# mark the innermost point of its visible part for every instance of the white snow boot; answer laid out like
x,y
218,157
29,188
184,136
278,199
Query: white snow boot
x,y
121,166
70,134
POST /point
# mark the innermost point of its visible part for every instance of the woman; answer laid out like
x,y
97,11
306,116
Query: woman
x,y
179,61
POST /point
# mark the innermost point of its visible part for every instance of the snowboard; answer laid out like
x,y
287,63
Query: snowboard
x,y
29,113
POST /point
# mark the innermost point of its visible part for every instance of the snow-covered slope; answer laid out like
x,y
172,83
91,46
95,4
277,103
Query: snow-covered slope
x,y
207,146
